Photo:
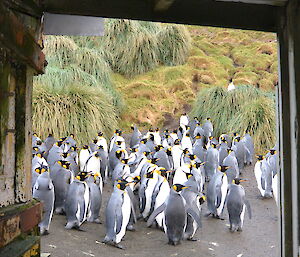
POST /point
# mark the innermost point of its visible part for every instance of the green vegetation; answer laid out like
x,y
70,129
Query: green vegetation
x,y
245,108
150,73
78,109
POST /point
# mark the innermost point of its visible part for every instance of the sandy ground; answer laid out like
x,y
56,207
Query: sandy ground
x,y
259,237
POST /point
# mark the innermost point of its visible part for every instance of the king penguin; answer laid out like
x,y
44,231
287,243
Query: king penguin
x,y
95,189
236,205
263,175
117,214
77,201
217,192
44,191
175,211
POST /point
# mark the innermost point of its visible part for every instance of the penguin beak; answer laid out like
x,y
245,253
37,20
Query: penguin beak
x,y
243,180
169,171
184,187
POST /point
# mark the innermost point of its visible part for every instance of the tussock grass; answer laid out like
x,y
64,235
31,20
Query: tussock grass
x,y
235,111
78,109
174,45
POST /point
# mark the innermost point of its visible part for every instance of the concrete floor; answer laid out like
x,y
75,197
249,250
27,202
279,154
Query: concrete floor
x,y
259,237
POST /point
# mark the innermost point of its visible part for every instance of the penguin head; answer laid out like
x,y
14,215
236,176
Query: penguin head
x,y
177,142
100,134
62,139
272,151
169,151
196,118
223,168
210,138
235,134
118,143
166,131
119,132
59,143
50,135
39,142
64,164
74,148
237,181
85,147
154,160
143,141
202,199
192,156
38,170
40,155
100,147
204,147
134,149
151,137
35,134
35,149
168,136
197,165
65,155
97,155
137,179
198,136
214,145
132,127
149,174
186,151
95,141
229,150
72,135
175,131
122,183
146,153
208,118
178,187
180,129
124,161
189,175
260,157
119,153
237,139
82,175
157,130
163,172
187,134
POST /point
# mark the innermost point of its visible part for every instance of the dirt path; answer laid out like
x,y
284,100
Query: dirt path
x,y
258,239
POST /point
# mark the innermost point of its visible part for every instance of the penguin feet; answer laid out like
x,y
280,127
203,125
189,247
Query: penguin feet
x,y
193,239
173,242
44,232
111,243
207,214
130,228
60,210
97,221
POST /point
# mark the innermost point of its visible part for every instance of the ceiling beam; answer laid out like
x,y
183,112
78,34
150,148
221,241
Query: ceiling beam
x,y
196,12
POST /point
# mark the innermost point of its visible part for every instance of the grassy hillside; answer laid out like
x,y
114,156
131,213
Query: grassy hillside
x,y
216,55
149,74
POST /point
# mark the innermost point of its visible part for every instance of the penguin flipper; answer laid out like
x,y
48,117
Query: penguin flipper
x,y
133,203
195,216
155,213
248,208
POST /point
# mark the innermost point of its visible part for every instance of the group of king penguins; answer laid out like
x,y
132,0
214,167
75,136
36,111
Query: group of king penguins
x,y
163,178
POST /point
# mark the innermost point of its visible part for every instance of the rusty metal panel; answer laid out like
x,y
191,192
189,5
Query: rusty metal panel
x,y
9,230
31,217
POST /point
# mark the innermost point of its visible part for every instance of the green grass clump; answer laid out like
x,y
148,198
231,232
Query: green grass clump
x,y
78,109
235,111
174,45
